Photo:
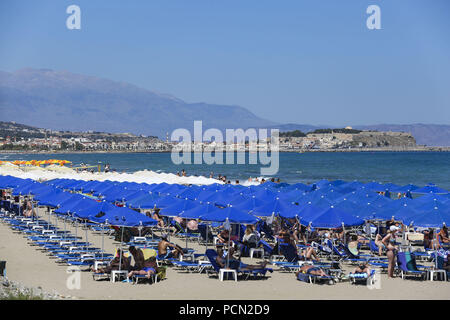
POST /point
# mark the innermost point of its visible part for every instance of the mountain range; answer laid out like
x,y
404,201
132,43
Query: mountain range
x,y
61,100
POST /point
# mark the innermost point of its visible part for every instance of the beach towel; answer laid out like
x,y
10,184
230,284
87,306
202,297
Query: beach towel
x,y
303,277
161,272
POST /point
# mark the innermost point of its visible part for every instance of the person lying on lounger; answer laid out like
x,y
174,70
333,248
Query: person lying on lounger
x,y
148,268
235,264
312,270
118,263
362,268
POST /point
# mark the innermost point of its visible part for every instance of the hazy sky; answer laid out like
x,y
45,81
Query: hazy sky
x,y
294,61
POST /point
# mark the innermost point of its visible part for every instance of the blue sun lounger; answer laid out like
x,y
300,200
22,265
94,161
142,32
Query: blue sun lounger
x,y
311,278
212,254
363,277
406,262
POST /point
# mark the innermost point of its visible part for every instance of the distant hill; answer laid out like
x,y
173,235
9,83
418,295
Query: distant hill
x,y
425,134
61,100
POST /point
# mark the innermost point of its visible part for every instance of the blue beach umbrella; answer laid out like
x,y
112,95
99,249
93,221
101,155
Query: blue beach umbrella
x,y
336,183
406,188
90,186
190,193
10,182
401,214
349,206
146,201
35,188
353,185
309,212
430,197
277,207
430,189
73,204
231,214
54,199
177,208
166,201
122,217
198,211
333,218
427,206
266,194
250,204
434,218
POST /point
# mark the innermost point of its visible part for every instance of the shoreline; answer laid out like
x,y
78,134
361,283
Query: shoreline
x,y
425,149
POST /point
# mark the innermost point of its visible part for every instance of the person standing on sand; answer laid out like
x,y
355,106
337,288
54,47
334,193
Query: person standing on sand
x,y
391,249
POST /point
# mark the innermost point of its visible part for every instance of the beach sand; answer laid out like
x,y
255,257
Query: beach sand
x,y
34,268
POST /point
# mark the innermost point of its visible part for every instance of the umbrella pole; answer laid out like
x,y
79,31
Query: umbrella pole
x,y
120,258
76,227
186,235
228,252
343,233
103,236
64,218
32,211
86,230
206,237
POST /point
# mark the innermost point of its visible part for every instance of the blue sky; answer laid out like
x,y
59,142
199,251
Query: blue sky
x,y
291,61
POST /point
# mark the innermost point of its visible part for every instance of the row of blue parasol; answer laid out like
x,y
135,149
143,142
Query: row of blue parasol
x,y
324,204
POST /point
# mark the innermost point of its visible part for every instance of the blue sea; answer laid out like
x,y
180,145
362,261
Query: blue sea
x,y
419,168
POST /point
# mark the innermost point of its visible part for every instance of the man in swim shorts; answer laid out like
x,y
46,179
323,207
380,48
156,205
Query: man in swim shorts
x,y
163,253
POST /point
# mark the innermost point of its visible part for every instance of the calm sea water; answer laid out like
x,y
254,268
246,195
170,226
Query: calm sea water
x,y
402,168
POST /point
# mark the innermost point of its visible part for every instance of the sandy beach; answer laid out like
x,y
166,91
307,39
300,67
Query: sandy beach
x,y
32,267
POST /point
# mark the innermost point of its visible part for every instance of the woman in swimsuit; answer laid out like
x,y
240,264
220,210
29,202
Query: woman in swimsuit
x,y
389,243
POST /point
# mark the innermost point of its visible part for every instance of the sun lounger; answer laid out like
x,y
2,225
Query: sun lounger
x,y
363,277
143,278
406,263
212,254
311,278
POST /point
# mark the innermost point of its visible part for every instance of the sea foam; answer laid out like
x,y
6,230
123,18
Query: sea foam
x,y
61,172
